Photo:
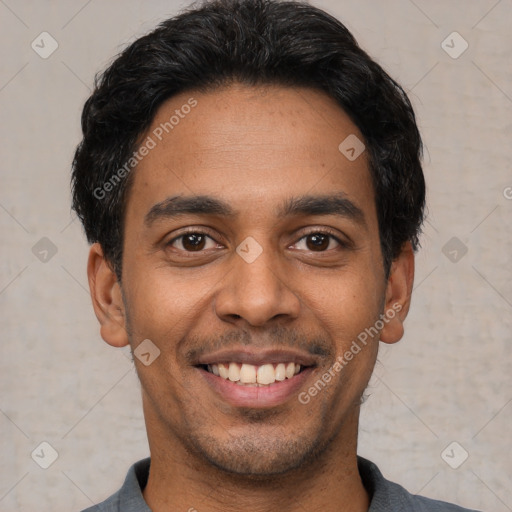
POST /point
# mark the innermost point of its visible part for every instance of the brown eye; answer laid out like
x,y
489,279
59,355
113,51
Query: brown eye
x,y
317,242
191,242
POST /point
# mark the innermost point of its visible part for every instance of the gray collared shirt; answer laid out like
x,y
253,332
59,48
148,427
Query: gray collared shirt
x,y
386,496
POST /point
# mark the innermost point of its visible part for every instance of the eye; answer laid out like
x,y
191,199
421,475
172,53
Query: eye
x,y
319,241
193,241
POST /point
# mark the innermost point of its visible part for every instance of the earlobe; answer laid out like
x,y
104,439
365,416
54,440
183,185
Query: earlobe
x,y
398,295
106,298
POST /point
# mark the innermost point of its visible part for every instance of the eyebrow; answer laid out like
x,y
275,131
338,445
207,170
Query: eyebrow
x,y
331,204
188,205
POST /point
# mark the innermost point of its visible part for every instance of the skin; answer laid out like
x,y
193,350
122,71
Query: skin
x,y
252,147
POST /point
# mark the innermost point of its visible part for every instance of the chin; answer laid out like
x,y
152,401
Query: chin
x,y
257,458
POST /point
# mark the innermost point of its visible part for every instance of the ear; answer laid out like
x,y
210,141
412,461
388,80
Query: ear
x,y
106,298
398,295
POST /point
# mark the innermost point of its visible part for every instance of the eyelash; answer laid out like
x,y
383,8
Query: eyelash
x,y
323,231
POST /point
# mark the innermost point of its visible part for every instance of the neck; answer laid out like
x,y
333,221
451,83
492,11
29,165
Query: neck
x,y
331,482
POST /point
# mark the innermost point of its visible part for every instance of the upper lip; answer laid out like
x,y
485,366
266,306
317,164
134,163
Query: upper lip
x,y
257,357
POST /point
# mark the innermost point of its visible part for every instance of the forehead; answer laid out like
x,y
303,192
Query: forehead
x,y
251,146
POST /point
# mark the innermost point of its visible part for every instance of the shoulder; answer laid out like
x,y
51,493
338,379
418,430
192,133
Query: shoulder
x,y
415,503
109,505
389,496
129,498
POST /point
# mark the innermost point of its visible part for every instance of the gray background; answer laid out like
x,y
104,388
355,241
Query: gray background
x,y
448,380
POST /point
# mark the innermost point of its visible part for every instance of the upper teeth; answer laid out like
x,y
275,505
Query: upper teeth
x,y
249,374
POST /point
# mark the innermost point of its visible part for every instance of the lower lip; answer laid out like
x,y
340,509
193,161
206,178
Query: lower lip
x,y
256,396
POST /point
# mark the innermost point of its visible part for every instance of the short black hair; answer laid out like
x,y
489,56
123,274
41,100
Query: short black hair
x,y
253,42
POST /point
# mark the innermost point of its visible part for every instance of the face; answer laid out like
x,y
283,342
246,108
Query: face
x,y
252,263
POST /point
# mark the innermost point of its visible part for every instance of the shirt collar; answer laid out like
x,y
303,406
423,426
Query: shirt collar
x,y
378,488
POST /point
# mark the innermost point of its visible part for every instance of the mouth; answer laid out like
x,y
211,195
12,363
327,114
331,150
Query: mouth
x,y
256,380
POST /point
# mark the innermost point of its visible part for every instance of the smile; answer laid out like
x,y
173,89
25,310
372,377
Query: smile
x,y
255,377
264,389
245,374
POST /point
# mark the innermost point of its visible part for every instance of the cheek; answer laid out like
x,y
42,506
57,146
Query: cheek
x,y
345,304
163,305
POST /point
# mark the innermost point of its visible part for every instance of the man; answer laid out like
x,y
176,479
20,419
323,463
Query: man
x,y
251,183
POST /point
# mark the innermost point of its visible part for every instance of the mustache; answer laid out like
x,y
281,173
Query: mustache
x,y
275,337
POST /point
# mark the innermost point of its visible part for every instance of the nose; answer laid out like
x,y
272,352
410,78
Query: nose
x,y
256,292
